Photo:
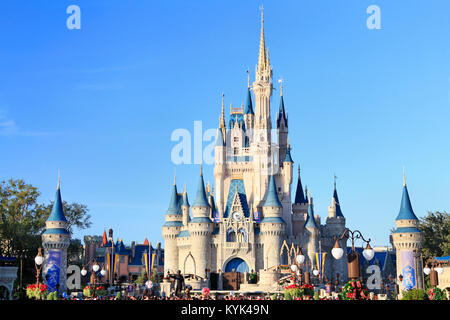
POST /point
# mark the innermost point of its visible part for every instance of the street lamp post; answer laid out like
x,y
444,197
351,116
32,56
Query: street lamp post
x,y
296,266
434,271
352,257
38,261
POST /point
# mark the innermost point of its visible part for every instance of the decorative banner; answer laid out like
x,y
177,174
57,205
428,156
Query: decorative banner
x,y
320,260
408,269
216,216
54,267
111,266
256,216
149,263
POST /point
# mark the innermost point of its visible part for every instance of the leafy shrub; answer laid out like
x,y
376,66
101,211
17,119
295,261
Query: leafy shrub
x,y
415,294
436,294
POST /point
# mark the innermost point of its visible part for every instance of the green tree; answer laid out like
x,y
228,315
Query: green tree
x,y
436,237
22,222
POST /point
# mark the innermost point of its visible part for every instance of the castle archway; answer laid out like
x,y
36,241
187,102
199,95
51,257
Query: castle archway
x,y
234,273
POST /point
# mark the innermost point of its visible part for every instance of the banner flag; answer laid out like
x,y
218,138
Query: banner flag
x,y
320,260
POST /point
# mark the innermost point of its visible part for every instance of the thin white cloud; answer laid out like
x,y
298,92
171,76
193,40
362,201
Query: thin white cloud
x,y
8,127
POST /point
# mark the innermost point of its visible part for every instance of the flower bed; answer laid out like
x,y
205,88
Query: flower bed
x,y
436,294
99,291
37,291
354,290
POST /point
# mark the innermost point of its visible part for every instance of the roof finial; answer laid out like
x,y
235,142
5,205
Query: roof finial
x,y
185,189
309,196
248,77
298,171
175,177
335,181
59,174
201,168
222,118
281,86
404,178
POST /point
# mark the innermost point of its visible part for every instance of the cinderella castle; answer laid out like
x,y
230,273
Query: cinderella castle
x,y
250,217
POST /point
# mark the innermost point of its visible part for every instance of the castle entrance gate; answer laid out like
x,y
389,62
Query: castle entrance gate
x,y
234,274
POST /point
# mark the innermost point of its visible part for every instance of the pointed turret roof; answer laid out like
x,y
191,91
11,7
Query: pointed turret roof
x,y
406,212
262,46
272,196
336,199
174,206
248,103
310,220
288,157
105,239
200,199
57,213
219,140
146,242
185,201
281,112
299,196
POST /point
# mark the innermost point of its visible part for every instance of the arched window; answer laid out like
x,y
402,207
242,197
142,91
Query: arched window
x,y
231,235
242,235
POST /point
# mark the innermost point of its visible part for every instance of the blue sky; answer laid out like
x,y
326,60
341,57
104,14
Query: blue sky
x,y
101,103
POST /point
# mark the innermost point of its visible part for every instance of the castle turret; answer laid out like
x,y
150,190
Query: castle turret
x,y
249,115
282,126
334,227
170,231
407,239
299,208
55,241
185,207
220,162
200,229
272,226
311,232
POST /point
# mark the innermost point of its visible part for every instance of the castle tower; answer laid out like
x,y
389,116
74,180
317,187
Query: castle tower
x,y
220,162
261,146
311,232
282,126
407,240
200,229
185,208
273,227
170,231
299,208
55,241
249,115
334,227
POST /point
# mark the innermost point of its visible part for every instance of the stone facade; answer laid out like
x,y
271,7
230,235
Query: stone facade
x,y
244,225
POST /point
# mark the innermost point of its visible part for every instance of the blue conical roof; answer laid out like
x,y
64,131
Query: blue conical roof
x,y
406,211
200,199
272,196
310,221
299,196
220,142
185,201
248,104
174,206
281,112
288,157
57,213
338,205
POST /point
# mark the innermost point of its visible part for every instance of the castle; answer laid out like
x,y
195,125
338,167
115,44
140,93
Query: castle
x,y
244,226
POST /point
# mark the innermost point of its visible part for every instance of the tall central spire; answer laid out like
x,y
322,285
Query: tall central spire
x,y
262,44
